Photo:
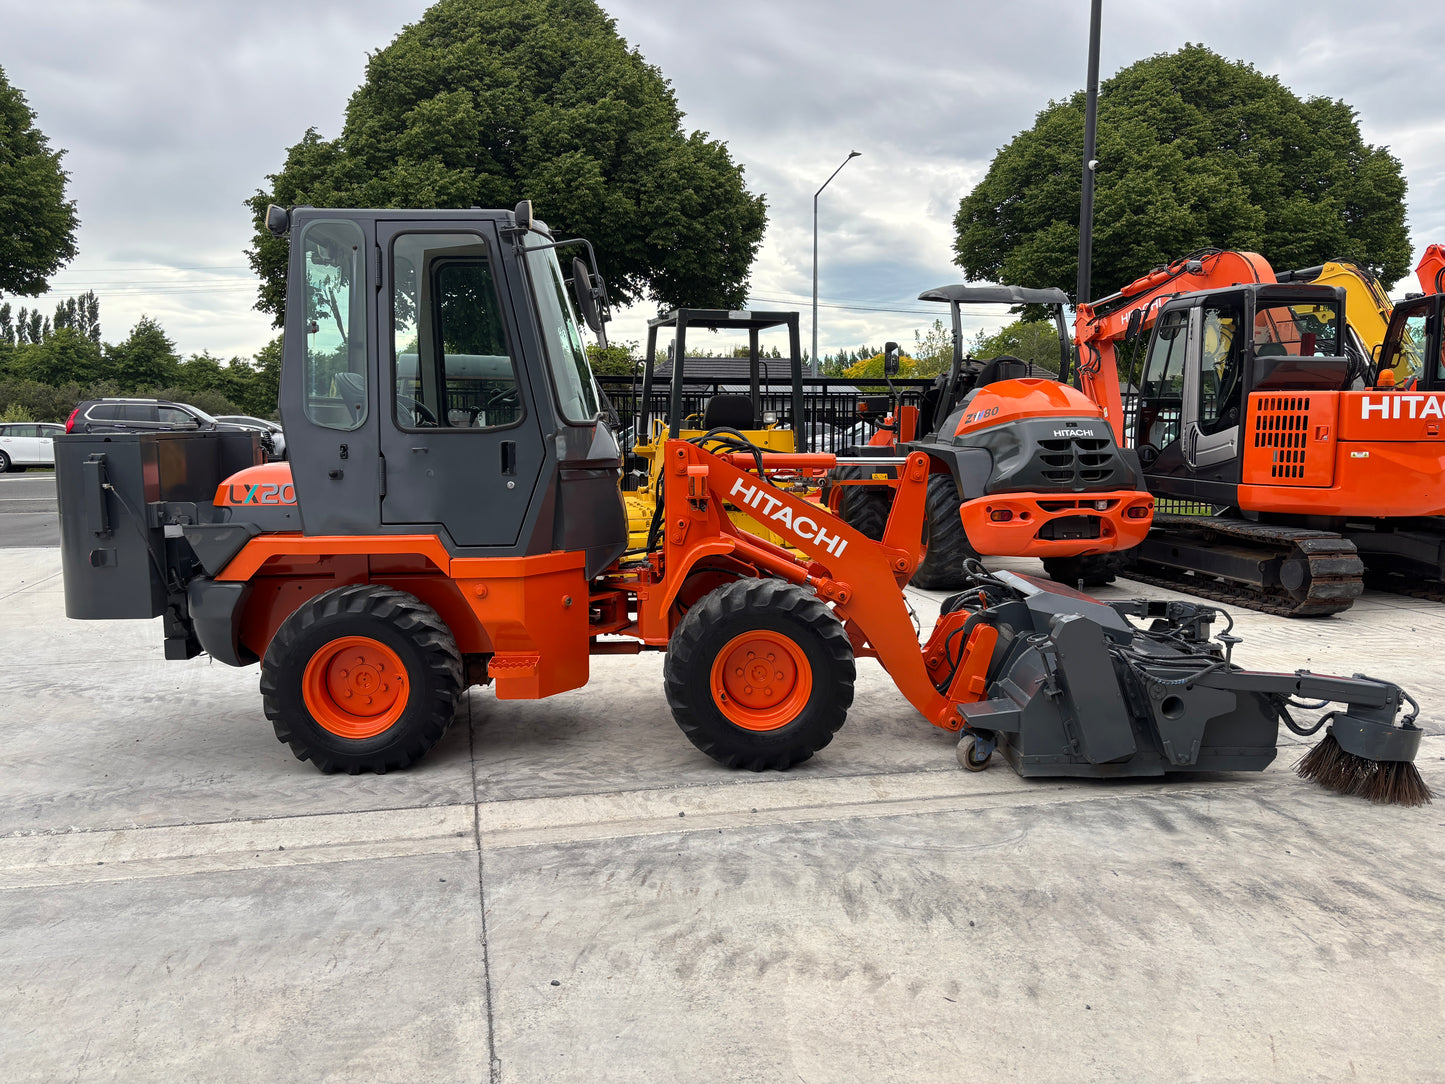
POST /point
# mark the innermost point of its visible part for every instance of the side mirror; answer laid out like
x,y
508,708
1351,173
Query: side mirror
x,y
890,359
1131,331
278,221
586,299
523,215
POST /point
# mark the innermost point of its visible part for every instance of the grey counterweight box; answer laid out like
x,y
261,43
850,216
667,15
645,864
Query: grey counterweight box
x,y
117,493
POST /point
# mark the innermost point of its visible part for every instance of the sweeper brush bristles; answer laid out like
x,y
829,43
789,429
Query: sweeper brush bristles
x,y
1390,782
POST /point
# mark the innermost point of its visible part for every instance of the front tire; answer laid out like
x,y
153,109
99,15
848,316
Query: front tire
x,y
942,566
361,679
759,675
5,463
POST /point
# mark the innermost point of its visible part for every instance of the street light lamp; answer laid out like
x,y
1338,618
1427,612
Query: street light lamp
x,y
851,155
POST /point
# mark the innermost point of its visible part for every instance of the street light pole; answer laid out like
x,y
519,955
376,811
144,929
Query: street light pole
x,y
851,155
1086,195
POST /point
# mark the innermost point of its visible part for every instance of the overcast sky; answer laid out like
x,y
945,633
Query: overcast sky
x,y
171,114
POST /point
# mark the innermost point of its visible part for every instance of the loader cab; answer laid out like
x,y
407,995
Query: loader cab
x,y
966,374
435,382
1413,350
1208,353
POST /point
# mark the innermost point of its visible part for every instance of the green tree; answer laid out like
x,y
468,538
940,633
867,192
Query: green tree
x,y
265,397
1193,151
485,102
618,359
933,349
1035,341
62,356
147,358
37,222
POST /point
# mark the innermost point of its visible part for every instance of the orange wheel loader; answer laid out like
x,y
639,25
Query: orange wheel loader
x,y
450,516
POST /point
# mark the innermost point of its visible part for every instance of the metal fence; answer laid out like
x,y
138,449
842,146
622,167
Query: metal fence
x,y
830,404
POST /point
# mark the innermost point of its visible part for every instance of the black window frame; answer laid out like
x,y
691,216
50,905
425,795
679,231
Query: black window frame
x,y
508,340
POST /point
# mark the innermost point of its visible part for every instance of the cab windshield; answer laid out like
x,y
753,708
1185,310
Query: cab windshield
x,y
562,337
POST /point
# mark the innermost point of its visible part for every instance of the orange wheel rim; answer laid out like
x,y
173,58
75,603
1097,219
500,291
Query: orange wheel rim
x,y
761,680
355,687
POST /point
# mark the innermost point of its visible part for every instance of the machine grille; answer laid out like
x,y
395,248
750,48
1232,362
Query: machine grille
x,y
1281,425
1066,461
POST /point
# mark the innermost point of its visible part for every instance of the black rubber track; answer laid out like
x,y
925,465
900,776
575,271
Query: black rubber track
x,y
402,622
731,611
1336,571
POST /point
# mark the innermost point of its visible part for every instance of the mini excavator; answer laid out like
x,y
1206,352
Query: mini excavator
x,y
450,516
1285,462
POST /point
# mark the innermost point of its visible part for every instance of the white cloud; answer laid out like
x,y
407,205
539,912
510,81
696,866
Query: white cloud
x,y
172,115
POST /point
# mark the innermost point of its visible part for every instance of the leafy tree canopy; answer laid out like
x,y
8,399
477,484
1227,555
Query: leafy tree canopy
x,y
1035,341
1194,151
37,222
487,102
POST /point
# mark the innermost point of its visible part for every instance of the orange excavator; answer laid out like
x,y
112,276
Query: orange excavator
x,y
1285,466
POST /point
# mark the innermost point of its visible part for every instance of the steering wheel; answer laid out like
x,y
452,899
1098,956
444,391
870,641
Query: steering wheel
x,y
421,415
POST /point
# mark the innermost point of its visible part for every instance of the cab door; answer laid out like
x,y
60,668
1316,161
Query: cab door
x,y
461,443
1213,385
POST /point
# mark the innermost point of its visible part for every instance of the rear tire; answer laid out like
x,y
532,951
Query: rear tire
x,y
361,679
759,675
4,463
942,566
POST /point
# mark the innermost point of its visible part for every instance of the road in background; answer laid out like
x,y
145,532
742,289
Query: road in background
x,y
28,515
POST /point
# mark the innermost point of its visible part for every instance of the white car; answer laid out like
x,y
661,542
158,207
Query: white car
x,y
28,444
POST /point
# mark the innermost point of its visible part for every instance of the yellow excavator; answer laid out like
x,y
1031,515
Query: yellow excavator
x,y
1369,308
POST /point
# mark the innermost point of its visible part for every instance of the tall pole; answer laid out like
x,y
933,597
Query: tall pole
x,y
813,365
1091,121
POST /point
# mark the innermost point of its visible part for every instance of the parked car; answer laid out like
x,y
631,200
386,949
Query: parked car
x,y
27,444
278,435
152,416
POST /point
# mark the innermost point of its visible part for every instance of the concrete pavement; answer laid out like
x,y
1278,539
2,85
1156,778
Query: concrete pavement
x,y
566,890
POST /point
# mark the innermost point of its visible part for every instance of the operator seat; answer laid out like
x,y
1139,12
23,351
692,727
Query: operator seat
x,y
1003,367
732,411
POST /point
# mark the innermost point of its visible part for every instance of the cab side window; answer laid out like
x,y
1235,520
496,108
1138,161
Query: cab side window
x,y
1221,370
1161,393
453,368
335,385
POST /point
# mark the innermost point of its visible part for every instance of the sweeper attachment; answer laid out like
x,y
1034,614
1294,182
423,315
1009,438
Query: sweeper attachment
x,y
1075,689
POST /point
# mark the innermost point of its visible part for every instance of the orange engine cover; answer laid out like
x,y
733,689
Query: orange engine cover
x,y
1026,397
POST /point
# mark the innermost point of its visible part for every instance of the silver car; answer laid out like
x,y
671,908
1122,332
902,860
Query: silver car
x,y
278,435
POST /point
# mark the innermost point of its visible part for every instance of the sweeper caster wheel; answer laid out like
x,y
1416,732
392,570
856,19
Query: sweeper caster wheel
x,y
759,675
968,754
361,679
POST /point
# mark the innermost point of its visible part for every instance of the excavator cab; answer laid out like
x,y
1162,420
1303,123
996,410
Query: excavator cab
x,y
1209,353
1413,352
